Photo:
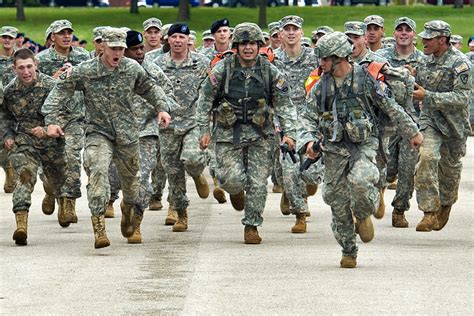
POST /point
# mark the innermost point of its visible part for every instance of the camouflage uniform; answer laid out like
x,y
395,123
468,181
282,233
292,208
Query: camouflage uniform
x,y
21,111
73,119
243,149
444,121
111,131
351,173
178,143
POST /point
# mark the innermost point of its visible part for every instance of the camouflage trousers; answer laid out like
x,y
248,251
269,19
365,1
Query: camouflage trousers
x,y
246,167
180,153
114,182
158,175
26,161
148,149
277,169
99,151
212,159
438,171
350,188
4,160
74,142
381,160
402,161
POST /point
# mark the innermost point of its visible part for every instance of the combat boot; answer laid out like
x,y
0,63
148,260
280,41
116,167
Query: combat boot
x,y
98,224
284,204
428,222
20,234
365,229
64,219
300,225
277,188
348,262
136,238
126,226
251,235
238,201
442,217
398,219
311,189
154,204
393,185
218,193
48,204
70,205
202,187
379,213
109,210
172,217
181,224
10,180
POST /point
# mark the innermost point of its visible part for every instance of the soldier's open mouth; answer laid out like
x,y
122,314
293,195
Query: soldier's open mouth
x,y
116,59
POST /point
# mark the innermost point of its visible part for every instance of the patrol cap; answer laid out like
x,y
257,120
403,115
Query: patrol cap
x,y
355,27
266,35
59,25
9,31
405,20
125,29
165,29
374,19
291,20
114,37
47,33
207,35
97,32
323,29
181,28
455,39
152,22
436,28
273,28
192,33
218,24
306,41
134,38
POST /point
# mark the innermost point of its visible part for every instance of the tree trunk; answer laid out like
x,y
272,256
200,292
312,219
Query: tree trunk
x,y
184,13
262,14
308,3
458,4
295,3
20,10
134,6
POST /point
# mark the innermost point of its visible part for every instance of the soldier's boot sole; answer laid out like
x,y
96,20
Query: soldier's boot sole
x,y
311,189
442,217
219,195
48,204
365,229
202,187
348,262
238,201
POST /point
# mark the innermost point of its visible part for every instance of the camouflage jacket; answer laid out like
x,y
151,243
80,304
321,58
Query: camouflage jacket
x,y
395,60
211,52
447,82
50,62
368,57
153,54
367,99
6,71
21,110
109,108
296,72
186,79
280,102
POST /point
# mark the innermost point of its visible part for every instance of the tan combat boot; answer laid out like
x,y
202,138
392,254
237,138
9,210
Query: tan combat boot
x,y
218,193
284,204
98,224
126,226
277,188
181,224
70,205
393,185
348,262
311,189
154,204
109,210
442,217
398,219
379,213
64,218
202,187
172,217
300,225
251,235
10,180
136,238
20,234
238,201
48,204
428,222
365,229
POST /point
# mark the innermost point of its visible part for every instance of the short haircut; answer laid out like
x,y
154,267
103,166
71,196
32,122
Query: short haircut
x,y
23,53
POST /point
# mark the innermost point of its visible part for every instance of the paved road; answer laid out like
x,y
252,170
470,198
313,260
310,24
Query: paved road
x,y
208,270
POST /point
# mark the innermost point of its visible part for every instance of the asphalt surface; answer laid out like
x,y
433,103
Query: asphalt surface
x,y
208,270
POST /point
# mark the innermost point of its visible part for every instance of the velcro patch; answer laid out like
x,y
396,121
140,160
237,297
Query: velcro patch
x,y
461,68
280,83
213,80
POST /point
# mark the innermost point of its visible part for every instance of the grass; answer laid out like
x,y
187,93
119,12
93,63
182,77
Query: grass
x,y
85,19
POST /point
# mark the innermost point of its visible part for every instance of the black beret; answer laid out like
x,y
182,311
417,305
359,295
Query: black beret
x,y
217,24
134,38
178,28
20,35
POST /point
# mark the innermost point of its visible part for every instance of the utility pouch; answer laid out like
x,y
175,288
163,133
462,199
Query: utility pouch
x,y
225,115
358,127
